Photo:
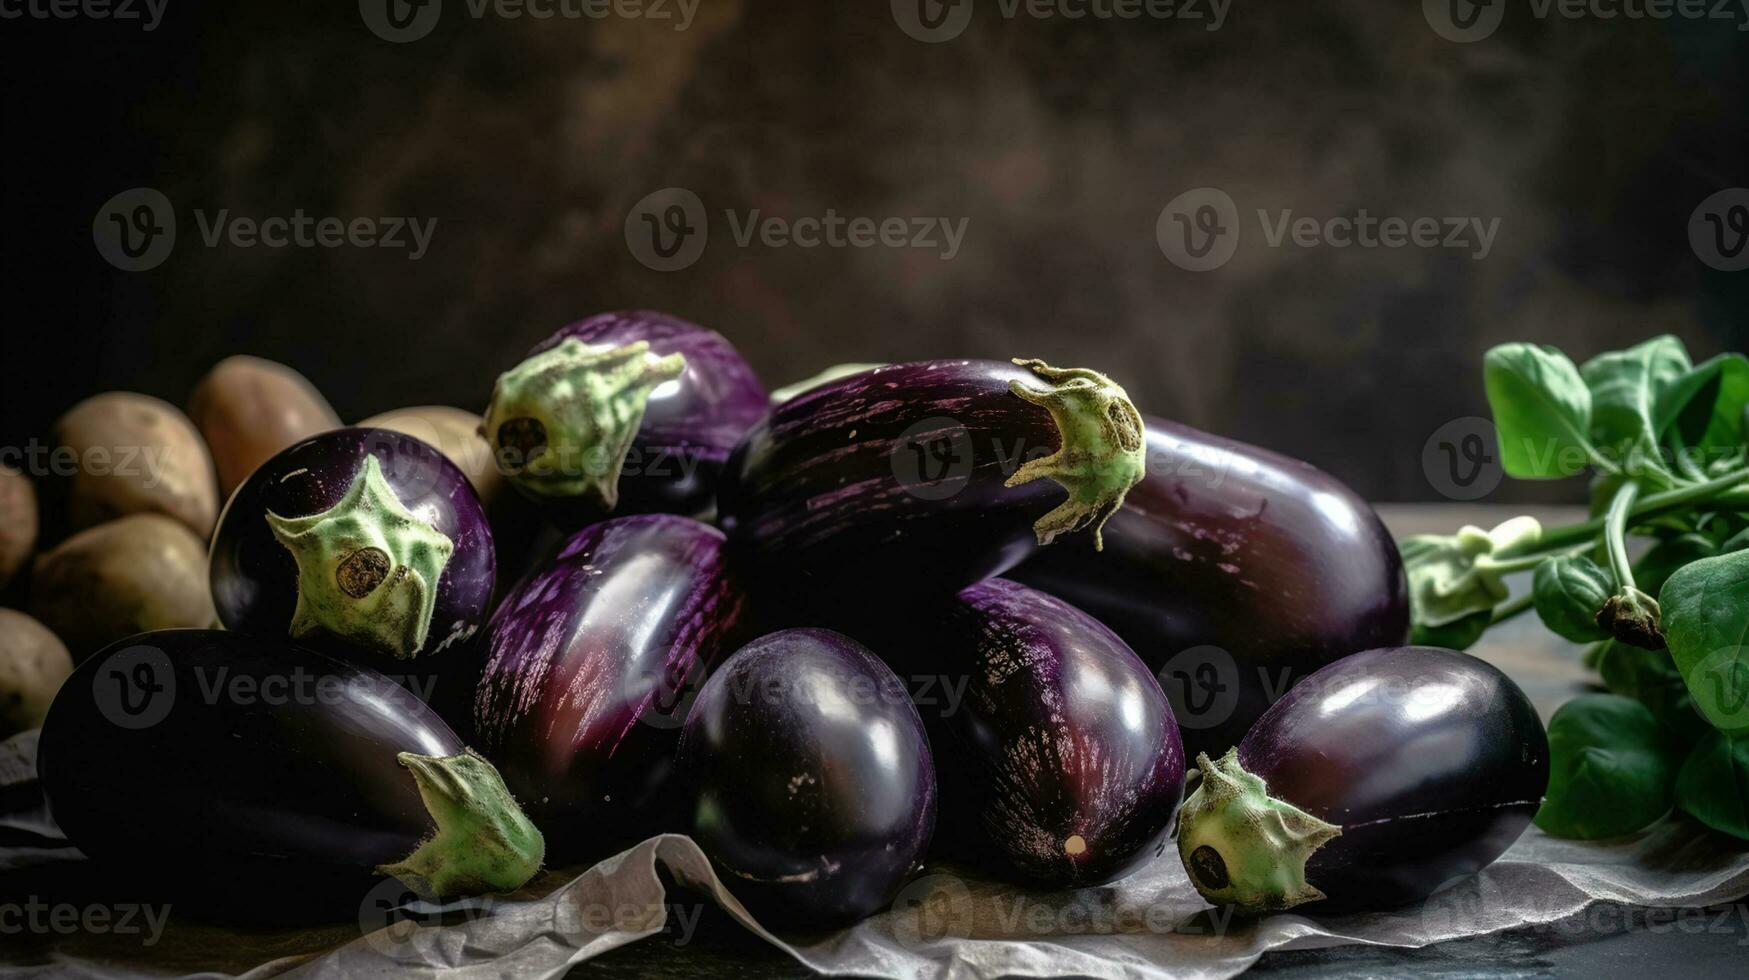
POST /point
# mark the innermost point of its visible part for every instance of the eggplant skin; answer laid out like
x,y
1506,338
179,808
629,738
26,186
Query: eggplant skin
x,y
1233,572
591,664
214,763
1061,762
813,781
1432,762
690,425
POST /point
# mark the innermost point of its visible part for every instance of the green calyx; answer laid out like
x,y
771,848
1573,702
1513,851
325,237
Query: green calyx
x,y
368,567
1244,848
483,842
562,421
1100,454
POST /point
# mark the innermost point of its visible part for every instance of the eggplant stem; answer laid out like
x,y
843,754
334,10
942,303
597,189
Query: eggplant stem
x,y
482,843
1100,453
1241,846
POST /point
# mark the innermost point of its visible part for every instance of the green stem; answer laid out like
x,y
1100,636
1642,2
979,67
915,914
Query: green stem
x,y
1615,534
1512,609
1651,506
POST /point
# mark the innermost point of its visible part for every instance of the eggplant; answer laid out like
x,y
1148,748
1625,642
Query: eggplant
x,y
213,762
1060,761
1377,781
1234,572
813,782
623,413
927,477
591,663
361,542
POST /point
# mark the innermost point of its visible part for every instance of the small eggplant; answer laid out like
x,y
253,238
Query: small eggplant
x,y
1233,572
814,782
591,663
218,762
1375,782
1061,759
356,541
623,413
928,477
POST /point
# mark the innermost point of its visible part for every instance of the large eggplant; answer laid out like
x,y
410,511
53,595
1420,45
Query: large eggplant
x,y
623,413
220,763
1233,572
591,664
927,477
814,783
1060,760
1375,782
361,542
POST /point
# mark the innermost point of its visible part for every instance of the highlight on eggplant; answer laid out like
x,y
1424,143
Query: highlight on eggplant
x,y
1061,763
356,541
590,665
931,475
215,763
1375,782
630,412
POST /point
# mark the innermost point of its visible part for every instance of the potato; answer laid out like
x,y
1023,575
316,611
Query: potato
x,y
138,573
33,663
249,409
134,454
456,433
18,522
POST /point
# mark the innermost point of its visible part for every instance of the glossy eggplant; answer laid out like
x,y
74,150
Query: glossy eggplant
x,y
813,779
927,477
623,413
1060,760
1375,782
217,762
1233,572
590,666
361,542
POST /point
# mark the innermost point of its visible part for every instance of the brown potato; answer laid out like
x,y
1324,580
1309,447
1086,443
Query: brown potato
x,y
134,454
455,433
33,663
141,572
249,409
18,522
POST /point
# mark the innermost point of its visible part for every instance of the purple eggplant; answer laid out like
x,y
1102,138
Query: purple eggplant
x,y
624,413
1375,782
1059,757
1233,572
813,780
928,477
216,762
591,663
359,542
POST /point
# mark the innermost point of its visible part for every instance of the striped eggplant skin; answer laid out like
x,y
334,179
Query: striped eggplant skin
x,y
1060,762
1233,572
690,424
894,480
812,779
590,666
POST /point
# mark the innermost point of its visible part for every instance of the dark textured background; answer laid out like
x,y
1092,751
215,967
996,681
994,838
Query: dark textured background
x,y
1061,141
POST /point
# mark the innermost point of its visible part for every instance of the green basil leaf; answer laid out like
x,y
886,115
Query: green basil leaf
x,y
1650,677
1542,411
1612,770
1657,565
1705,613
1625,389
1713,786
1568,593
1706,406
